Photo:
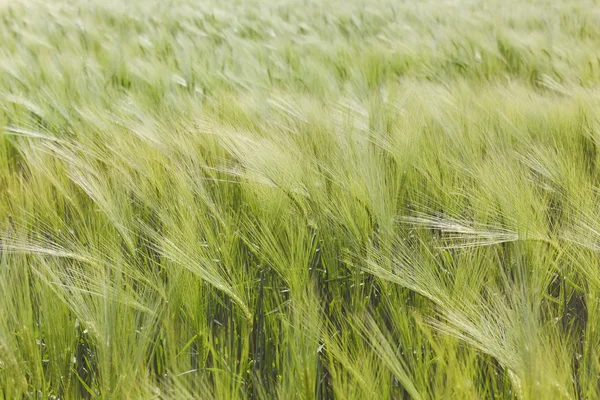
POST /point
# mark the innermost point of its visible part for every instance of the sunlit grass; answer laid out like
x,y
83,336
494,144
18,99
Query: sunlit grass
x,y
299,200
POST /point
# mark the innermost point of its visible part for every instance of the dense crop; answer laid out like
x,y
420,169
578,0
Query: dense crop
x,y
299,199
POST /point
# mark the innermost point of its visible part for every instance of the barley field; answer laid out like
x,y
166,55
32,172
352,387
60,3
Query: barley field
x,y
299,199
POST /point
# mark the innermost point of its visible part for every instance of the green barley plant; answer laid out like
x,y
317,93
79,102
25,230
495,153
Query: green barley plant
x,y
299,199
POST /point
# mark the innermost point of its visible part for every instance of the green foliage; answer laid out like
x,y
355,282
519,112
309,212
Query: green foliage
x,y
299,200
